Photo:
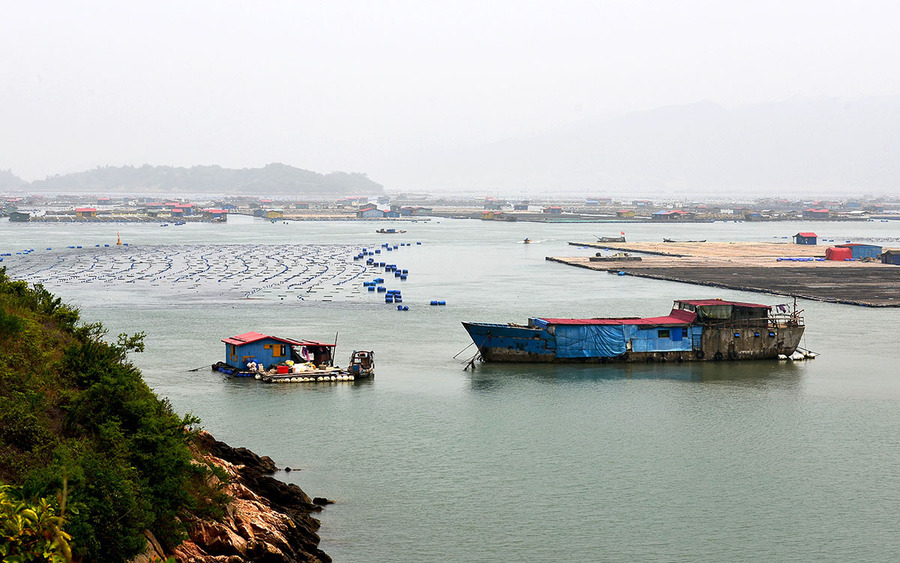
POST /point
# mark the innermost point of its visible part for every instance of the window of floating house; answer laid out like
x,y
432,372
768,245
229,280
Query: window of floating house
x,y
663,333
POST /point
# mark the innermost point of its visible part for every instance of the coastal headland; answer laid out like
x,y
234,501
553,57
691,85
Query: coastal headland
x,y
778,268
265,520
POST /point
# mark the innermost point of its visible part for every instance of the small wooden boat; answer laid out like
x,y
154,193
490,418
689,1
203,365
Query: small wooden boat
x,y
389,231
362,364
672,240
611,239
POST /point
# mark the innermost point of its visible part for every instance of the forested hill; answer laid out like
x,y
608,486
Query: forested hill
x,y
93,464
9,180
271,179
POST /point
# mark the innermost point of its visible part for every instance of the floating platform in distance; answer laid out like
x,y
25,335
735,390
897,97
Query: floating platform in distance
x,y
756,267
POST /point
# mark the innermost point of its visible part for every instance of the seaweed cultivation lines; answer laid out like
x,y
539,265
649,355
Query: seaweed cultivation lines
x,y
253,271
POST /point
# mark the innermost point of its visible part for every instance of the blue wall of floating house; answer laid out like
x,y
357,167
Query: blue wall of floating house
x,y
236,355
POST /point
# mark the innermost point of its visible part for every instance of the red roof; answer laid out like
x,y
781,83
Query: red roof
x,y
85,209
215,210
315,343
249,337
676,317
708,302
813,235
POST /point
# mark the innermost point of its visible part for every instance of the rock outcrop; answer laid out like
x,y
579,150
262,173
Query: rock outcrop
x,y
267,520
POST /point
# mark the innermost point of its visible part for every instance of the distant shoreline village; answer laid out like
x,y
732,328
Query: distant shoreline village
x,y
73,208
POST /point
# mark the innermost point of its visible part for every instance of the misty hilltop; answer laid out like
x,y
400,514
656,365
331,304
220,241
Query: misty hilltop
x,y
803,144
8,180
271,179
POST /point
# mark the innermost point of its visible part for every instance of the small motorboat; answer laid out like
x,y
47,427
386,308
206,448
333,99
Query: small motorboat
x,y
362,364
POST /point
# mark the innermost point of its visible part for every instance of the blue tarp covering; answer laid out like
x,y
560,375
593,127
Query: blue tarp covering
x,y
649,340
589,341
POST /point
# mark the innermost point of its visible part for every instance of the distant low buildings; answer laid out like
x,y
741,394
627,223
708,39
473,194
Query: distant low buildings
x,y
805,238
816,214
858,251
672,215
369,212
891,256
215,215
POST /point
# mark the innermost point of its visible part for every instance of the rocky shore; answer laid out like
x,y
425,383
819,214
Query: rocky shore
x,y
267,520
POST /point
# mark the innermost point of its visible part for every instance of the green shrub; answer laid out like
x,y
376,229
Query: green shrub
x,y
32,530
74,411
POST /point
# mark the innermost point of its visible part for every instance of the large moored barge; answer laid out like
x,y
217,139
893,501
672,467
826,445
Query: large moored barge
x,y
695,330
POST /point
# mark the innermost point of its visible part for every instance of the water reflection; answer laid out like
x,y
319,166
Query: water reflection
x,y
243,385
776,374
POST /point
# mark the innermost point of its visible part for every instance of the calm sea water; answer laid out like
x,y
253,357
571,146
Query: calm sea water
x,y
714,461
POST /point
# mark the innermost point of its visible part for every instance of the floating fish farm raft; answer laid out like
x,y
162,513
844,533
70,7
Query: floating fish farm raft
x,y
778,268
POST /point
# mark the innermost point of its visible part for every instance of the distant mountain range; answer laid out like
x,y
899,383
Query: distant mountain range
x,y
804,144
8,180
271,179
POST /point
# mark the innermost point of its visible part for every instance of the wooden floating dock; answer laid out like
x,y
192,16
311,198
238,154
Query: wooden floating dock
x,y
750,266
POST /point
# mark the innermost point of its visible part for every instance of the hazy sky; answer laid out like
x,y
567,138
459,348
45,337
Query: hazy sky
x,y
365,86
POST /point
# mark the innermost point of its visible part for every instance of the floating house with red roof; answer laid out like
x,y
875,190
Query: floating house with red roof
x,y
275,359
268,351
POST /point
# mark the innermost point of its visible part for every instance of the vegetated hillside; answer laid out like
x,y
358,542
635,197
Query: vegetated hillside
x,y
76,414
8,180
271,179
